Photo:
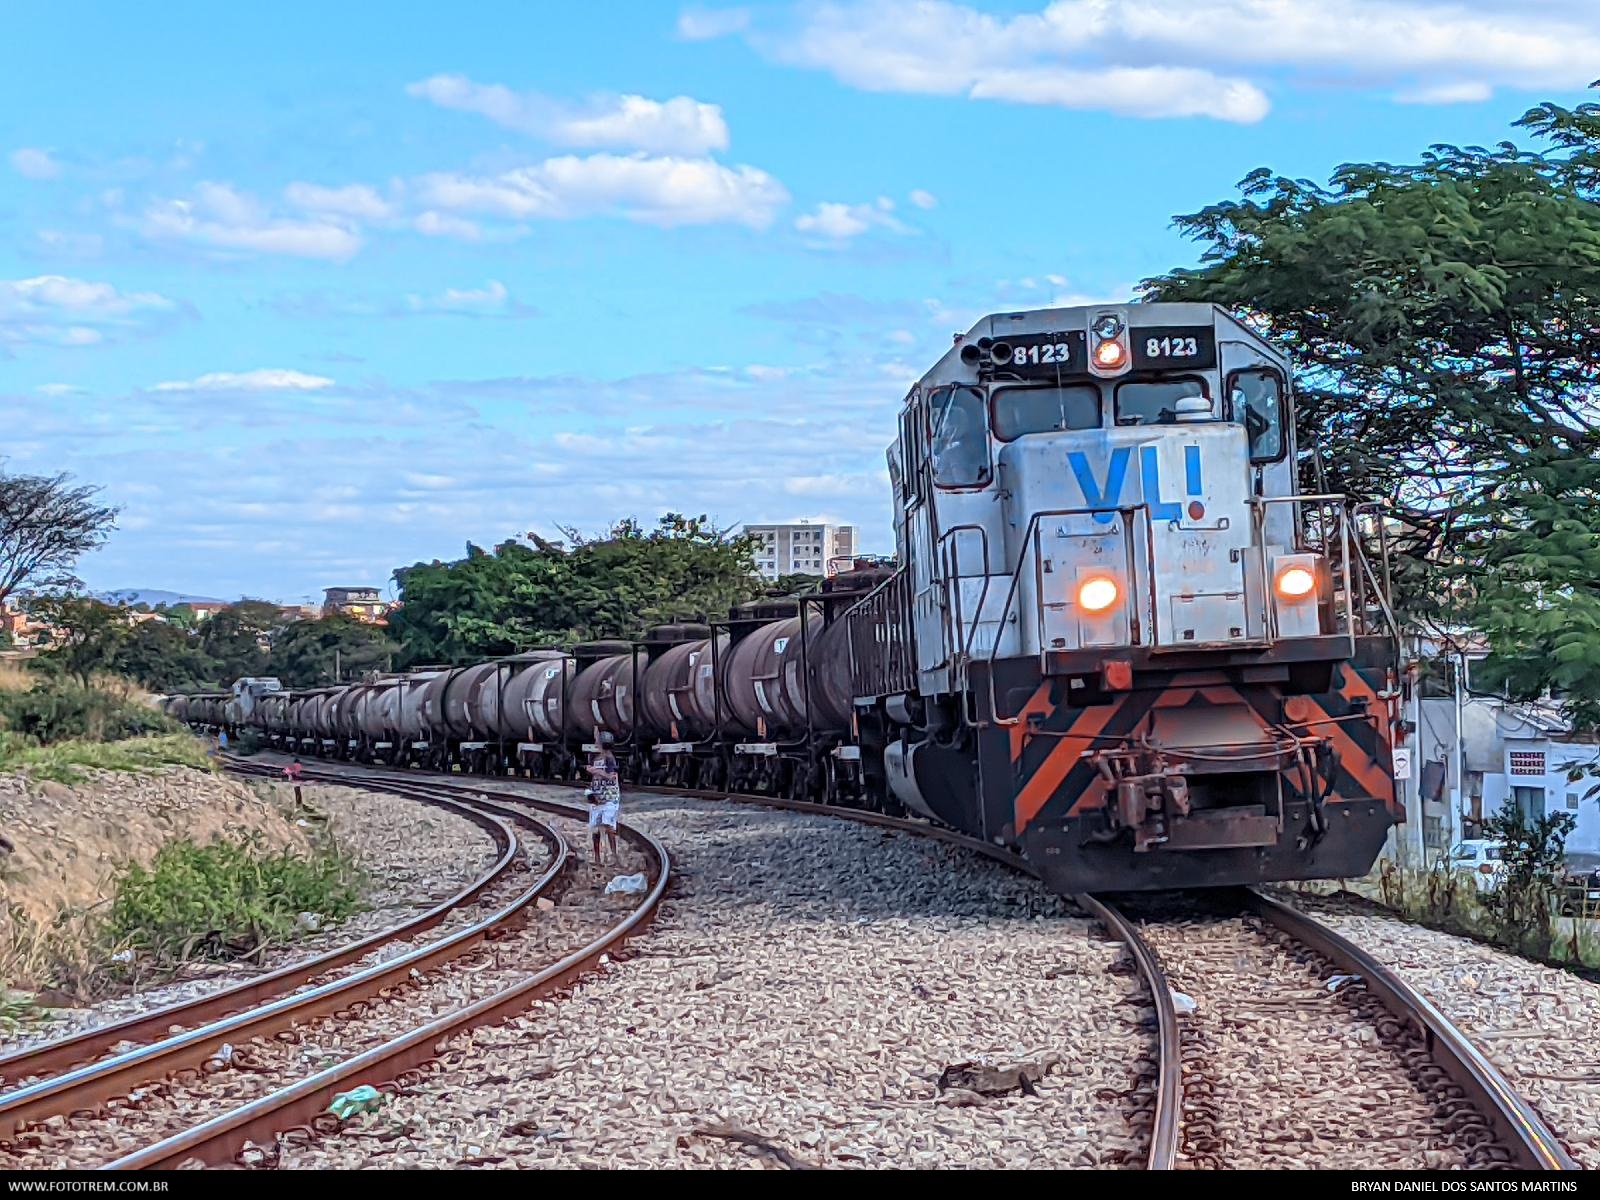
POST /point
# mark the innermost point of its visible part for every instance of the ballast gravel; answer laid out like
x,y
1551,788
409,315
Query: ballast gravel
x,y
1538,1024
1289,1065
796,1001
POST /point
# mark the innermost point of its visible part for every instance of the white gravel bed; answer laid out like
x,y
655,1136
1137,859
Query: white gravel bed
x,y
1282,1072
251,1069
806,983
1538,1024
414,856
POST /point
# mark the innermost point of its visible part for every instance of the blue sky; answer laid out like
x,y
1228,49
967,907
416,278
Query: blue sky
x,y
315,292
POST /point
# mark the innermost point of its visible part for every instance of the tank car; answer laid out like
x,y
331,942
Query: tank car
x,y
1120,639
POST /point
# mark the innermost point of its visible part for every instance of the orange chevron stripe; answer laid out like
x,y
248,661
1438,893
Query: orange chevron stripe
x,y
1052,772
1356,762
1039,702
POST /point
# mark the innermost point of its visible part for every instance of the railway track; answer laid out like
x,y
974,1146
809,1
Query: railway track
x,y
1503,1127
1305,1051
143,1099
55,1057
1480,1118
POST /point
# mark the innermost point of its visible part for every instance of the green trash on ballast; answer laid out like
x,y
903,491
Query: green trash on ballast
x,y
364,1099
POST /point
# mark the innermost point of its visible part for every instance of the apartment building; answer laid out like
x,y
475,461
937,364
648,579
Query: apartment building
x,y
805,548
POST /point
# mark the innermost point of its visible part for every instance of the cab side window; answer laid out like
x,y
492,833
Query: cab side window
x,y
959,428
1255,400
1155,401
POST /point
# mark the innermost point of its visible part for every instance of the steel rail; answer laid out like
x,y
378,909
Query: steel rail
x,y
89,1086
1168,1113
1534,1144
220,1139
52,1057
1167,1126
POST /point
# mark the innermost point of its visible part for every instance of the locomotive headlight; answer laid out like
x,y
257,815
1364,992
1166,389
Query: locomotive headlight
x,y
1107,327
1097,593
1109,355
1295,583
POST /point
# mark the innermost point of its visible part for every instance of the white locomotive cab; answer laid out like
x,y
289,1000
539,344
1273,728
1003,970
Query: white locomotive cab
x,y
1074,479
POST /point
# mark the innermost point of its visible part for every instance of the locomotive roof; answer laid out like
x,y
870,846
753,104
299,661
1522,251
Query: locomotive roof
x,y
1078,318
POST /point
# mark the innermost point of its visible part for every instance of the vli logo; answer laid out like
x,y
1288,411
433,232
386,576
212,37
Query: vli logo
x,y
1105,500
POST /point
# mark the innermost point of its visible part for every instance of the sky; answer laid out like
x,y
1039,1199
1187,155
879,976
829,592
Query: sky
x,y
316,291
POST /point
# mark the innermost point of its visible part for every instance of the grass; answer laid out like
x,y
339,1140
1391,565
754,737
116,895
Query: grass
x,y
14,677
1444,900
229,899
17,1009
66,762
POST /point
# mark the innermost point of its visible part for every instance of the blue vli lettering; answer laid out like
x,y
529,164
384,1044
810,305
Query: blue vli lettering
x,y
1105,500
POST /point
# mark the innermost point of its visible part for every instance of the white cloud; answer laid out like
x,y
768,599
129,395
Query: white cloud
x,y
493,299
1175,58
680,125
31,163
1447,93
656,191
61,311
696,24
436,224
224,218
63,244
355,200
923,200
841,222
264,380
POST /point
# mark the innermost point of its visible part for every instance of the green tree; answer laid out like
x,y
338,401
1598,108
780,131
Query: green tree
x,y
615,585
337,647
792,585
46,524
1442,317
238,638
88,634
181,615
1532,872
165,657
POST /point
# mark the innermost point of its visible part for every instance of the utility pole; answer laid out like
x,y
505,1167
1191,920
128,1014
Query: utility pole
x,y
1413,797
338,673
1458,802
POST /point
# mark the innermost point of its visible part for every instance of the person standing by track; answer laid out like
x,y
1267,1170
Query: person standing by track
x,y
605,796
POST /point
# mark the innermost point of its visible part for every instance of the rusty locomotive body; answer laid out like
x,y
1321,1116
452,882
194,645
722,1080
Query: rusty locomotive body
x,y
1120,638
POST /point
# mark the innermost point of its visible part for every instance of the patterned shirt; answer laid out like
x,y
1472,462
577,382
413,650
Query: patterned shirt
x,y
602,790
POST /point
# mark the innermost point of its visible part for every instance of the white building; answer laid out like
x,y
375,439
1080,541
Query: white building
x,y
807,548
1509,753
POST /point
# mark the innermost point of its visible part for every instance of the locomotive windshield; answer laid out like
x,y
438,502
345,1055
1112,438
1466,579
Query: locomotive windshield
x,y
1255,397
1019,411
960,437
1155,402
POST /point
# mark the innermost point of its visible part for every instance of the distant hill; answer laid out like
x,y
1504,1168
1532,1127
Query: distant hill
x,y
153,597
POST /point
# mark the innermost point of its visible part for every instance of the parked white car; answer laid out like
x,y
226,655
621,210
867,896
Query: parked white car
x,y
1479,857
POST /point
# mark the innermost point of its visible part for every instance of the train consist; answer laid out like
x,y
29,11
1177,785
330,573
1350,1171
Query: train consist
x,y
1120,638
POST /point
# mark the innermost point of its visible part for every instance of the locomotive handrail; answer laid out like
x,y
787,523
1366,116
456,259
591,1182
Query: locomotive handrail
x,y
1338,501
1030,539
950,552
1379,590
879,658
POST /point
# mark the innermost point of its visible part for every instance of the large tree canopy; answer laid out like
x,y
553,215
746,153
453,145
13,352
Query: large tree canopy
x,y
46,524
1445,319
333,648
612,586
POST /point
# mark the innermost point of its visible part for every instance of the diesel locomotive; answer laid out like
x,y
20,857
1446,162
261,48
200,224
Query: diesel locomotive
x,y
1120,638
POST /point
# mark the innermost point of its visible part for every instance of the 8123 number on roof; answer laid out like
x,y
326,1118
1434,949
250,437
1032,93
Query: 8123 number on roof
x,y
1174,346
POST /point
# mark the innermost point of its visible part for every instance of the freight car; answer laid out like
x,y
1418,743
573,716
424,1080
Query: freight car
x,y
1121,638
